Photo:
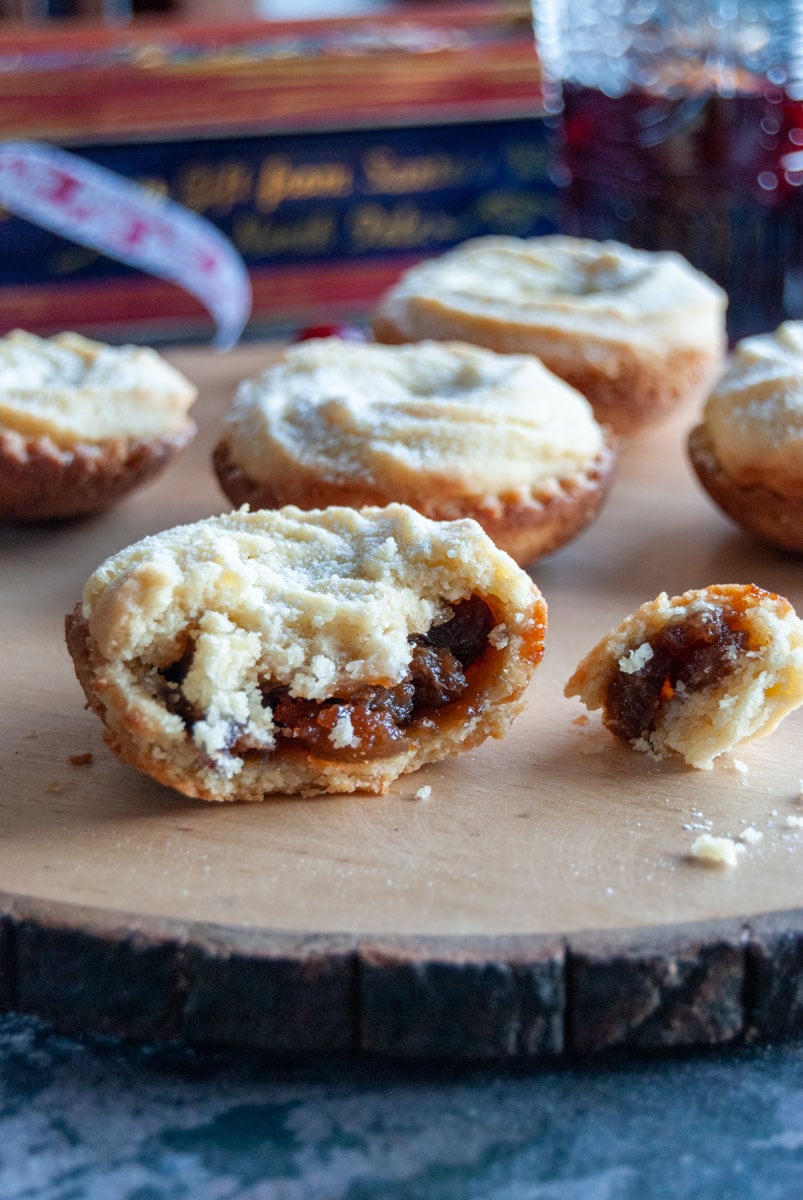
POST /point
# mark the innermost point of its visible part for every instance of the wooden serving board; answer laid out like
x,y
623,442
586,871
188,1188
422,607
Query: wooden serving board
x,y
541,900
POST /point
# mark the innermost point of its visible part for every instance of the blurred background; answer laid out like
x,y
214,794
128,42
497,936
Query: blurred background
x,y
333,144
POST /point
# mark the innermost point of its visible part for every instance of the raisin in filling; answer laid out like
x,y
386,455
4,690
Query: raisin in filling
x,y
691,655
173,677
374,719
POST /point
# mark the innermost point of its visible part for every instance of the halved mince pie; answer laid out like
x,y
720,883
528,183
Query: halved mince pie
x,y
270,652
83,423
450,429
698,674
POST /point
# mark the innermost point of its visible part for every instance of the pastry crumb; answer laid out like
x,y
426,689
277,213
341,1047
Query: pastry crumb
x,y
645,746
424,792
582,720
751,835
343,735
81,760
740,766
635,659
717,851
499,636
794,822
54,786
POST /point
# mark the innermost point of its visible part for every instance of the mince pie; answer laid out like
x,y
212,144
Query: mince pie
x,y
293,652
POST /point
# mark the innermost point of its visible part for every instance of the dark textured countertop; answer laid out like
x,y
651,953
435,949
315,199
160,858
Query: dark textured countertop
x,y
98,1120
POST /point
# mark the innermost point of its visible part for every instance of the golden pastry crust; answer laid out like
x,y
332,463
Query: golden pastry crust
x,y
748,449
39,481
698,674
636,332
452,430
81,423
290,652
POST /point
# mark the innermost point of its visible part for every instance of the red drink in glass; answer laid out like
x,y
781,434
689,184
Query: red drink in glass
x,y
717,178
682,129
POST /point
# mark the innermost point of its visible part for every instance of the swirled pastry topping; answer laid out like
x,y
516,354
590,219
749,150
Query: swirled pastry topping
x,y
283,650
411,417
602,288
72,390
754,417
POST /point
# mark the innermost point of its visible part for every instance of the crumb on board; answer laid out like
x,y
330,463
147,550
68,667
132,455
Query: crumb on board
x,y
794,822
584,718
424,792
740,766
751,835
55,785
716,851
81,760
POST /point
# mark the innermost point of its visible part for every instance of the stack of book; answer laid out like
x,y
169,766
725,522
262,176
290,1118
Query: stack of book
x,y
331,154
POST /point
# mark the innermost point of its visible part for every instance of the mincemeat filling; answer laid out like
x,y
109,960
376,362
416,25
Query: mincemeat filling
x,y
379,717
692,654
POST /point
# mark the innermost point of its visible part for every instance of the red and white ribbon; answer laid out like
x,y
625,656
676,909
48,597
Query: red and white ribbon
x,y
97,208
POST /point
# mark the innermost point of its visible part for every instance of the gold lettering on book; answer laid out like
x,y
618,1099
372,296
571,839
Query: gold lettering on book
x,y
403,226
516,212
527,160
256,238
387,171
280,179
214,188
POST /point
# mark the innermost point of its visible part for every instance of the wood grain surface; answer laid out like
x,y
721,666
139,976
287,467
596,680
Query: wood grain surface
x,y
542,899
